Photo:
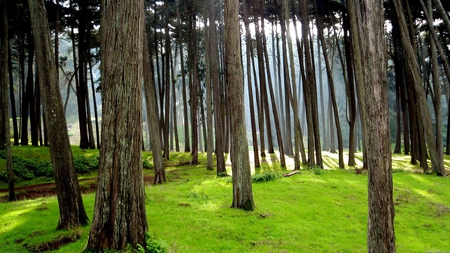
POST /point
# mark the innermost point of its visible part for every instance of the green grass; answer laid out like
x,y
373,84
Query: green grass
x,y
308,212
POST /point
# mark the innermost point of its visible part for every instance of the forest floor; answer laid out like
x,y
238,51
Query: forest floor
x,y
87,185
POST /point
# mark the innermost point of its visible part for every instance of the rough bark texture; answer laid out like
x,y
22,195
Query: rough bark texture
x,y
119,214
242,184
367,31
71,208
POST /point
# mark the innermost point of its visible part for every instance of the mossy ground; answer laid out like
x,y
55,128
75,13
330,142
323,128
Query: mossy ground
x,y
315,211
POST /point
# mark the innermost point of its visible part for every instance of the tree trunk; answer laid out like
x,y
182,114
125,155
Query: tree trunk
x,y
5,140
367,31
425,118
333,103
242,185
218,112
12,98
152,114
119,214
71,208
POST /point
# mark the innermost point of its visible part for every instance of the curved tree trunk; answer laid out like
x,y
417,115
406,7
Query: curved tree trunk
x,y
71,208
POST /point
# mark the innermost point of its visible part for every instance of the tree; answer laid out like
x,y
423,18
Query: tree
x,y
119,214
5,140
71,208
152,115
242,184
367,32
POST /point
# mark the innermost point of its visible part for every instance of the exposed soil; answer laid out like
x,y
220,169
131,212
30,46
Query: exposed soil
x,y
88,185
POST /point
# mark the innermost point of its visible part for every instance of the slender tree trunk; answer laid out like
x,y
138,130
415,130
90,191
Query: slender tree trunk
x,y
71,208
5,140
332,95
12,97
152,114
425,119
242,185
249,48
218,112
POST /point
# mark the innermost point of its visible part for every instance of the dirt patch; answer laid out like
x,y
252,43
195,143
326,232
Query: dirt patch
x,y
88,185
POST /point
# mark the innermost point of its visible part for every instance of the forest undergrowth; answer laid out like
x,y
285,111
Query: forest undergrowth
x,y
313,211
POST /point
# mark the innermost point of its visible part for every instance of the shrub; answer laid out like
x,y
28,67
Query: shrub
x,y
23,168
264,177
3,154
81,164
147,165
93,161
44,169
4,176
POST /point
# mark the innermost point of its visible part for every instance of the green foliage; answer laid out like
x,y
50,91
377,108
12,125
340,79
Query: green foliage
x,y
85,164
264,177
44,169
152,246
146,164
4,176
3,154
23,168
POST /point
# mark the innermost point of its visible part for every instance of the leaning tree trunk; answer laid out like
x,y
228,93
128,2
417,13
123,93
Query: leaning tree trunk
x,y
119,215
242,184
71,208
367,31
413,70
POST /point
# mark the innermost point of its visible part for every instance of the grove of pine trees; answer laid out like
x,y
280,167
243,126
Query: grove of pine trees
x,y
291,78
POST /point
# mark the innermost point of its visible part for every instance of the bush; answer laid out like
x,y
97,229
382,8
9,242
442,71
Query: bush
x,y
44,169
23,168
3,154
264,177
81,164
152,246
4,176
147,165
93,161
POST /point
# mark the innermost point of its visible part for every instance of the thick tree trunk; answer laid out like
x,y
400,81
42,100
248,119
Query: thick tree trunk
x,y
71,208
367,31
242,185
119,214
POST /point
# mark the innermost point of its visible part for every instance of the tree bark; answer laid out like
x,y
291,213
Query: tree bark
x,y
367,31
152,114
242,185
119,213
71,208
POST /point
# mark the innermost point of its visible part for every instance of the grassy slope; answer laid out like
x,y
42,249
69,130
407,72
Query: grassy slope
x,y
316,211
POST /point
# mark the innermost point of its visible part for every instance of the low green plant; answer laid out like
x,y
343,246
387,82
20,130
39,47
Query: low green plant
x,y
264,177
146,164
